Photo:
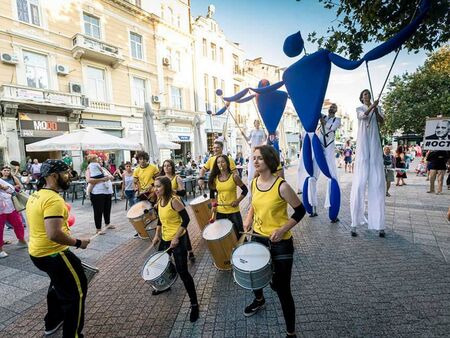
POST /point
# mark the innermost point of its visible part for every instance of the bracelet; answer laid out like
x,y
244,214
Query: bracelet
x,y
78,243
201,178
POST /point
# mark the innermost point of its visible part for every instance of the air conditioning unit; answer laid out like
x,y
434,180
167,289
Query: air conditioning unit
x,y
62,70
75,88
166,61
155,99
9,58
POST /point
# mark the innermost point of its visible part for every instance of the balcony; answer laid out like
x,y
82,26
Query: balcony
x,y
173,115
238,73
90,48
43,97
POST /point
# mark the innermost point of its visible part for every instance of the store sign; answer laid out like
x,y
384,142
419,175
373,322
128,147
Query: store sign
x,y
184,138
38,125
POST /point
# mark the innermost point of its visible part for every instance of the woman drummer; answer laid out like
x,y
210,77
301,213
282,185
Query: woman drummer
x,y
223,191
268,213
168,170
171,233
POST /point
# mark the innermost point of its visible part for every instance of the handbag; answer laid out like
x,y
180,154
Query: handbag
x,y
20,200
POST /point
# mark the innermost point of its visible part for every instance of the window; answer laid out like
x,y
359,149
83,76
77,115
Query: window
x,y
178,21
177,63
206,84
91,26
236,90
136,46
169,56
177,99
28,11
213,51
222,85
162,12
96,84
36,69
138,3
205,48
138,92
221,57
170,18
215,84
236,69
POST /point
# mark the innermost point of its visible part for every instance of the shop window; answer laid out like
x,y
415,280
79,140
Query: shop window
x,y
136,46
36,69
96,84
91,26
29,11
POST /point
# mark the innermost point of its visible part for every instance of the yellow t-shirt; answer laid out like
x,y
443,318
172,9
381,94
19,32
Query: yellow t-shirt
x,y
145,176
43,204
174,183
210,163
170,220
226,193
270,210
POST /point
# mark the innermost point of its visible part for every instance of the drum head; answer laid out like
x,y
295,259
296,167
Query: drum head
x,y
250,256
217,230
138,209
199,200
151,270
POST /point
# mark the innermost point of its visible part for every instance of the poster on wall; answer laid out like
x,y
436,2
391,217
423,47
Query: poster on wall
x,y
40,125
437,134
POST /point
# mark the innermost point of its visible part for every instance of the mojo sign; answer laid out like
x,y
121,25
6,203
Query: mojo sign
x,y
39,125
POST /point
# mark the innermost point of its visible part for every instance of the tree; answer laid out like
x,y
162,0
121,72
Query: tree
x,y
361,21
413,97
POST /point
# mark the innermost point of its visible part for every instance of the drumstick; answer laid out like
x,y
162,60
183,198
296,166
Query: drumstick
x,y
253,234
162,254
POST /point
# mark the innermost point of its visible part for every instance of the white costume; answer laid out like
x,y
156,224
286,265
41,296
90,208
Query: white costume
x,y
368,168
257,137
327,136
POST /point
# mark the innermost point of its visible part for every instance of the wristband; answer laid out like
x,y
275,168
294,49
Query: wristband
x,y
201,178
78,243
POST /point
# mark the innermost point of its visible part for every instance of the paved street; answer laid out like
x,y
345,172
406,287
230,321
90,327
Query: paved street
x,y
343,286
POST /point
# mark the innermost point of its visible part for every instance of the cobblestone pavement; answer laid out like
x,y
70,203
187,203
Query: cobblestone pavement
x,y
343,286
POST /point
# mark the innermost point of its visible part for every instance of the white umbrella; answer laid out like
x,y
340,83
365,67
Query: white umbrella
x,y
150,143
84,139
164,143
198,144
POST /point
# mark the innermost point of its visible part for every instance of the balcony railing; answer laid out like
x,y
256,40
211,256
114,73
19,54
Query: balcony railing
x,y
176,114
45,97
94,49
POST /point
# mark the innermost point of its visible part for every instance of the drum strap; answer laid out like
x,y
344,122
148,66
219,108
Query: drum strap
x,y
283,257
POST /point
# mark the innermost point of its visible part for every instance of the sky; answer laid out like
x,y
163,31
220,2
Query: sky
x,y
260,27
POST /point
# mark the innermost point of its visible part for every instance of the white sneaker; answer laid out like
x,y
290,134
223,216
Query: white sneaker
x,y
3,254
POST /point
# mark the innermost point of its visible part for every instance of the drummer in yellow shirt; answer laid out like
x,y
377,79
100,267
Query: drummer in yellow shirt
x,y
268,214
171,233
144,177
223,191
217,150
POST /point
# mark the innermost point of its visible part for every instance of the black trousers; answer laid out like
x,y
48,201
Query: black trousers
x,y
236,219
180,257
282,258
102,207
67,291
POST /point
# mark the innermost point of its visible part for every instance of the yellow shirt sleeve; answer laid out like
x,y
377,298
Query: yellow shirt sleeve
x,y
232,163
209,163
136,172
53,208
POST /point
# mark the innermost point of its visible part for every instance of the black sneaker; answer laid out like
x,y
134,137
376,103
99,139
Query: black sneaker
x,y
191,257
194,313
382,234
254,307
353,233
49,332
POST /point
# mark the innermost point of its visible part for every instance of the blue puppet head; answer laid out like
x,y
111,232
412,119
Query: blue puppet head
x,y
293,45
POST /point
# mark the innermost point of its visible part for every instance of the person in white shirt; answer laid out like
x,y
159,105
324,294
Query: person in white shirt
x,y
256,138
369,168
327,133
36,169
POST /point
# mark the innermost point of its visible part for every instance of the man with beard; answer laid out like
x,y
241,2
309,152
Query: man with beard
x,y
48,247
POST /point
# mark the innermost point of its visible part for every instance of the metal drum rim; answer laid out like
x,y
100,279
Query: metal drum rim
x,y
164,271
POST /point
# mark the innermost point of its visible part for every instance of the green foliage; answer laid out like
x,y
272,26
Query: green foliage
x,y
413,97
362,21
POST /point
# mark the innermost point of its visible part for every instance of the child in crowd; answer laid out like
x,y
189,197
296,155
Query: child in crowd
x,y
421,169
95,170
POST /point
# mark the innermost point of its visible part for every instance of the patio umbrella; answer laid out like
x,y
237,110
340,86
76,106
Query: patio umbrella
x,y
84,139
164,143
150,144
198,144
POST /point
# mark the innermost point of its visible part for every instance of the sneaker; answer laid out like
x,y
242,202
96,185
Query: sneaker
x,y
111,226
136,235
52,331
101,232
191,257
22,244
382,234
353,232
194,313
254,307
3,254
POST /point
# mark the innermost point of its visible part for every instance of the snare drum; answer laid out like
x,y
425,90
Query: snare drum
x,y
159,271
90,271
221,240
140,216
252,266
202,210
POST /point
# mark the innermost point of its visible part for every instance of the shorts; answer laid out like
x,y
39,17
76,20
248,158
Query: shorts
x,y
348,160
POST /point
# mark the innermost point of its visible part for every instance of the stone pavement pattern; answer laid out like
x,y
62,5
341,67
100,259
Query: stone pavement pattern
x,y
342,286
